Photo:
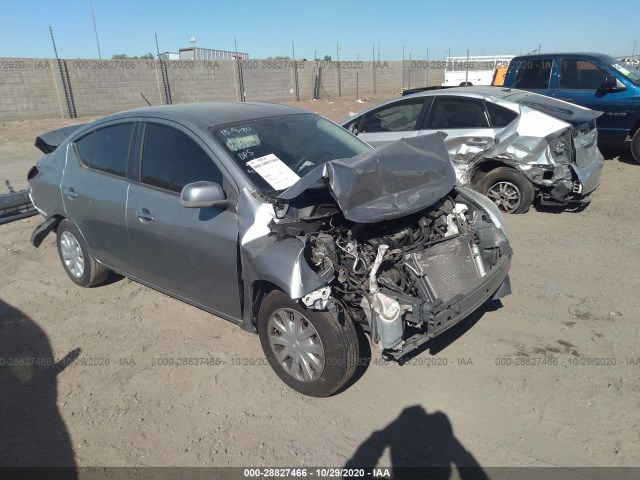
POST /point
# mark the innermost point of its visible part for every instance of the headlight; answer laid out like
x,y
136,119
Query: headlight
x,y
492,210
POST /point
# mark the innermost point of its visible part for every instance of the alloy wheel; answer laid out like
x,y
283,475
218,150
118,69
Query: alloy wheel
x,y
505,195
72,254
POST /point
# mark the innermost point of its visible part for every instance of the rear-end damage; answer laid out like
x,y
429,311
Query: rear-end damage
x,y
560,159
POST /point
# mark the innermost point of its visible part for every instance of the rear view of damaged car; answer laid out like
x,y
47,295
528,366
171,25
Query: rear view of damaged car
x,y
513,146
301,232
553,144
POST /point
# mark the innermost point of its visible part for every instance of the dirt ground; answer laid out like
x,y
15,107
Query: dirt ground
x,y
549,376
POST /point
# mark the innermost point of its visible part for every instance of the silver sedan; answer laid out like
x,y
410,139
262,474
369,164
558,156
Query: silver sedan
x,y
510,145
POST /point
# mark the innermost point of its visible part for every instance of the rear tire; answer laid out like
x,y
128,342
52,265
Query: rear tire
x,y
635,146
508,189
312,351
76,259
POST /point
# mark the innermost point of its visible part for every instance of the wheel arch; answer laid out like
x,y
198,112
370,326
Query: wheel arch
x,y
485,166
259,290
634,128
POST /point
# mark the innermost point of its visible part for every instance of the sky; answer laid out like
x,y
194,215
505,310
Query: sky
x,y
353,29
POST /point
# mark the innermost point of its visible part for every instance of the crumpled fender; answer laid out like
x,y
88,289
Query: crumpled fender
x,y
265,257
522,145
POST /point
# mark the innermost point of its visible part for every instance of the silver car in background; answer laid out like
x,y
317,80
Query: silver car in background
x,y
279,221
510,145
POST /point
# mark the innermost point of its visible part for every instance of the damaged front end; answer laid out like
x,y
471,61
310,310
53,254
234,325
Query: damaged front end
x,y
407,274
409,279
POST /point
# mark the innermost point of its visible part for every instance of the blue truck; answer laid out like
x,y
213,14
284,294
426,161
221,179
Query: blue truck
x,y
593,80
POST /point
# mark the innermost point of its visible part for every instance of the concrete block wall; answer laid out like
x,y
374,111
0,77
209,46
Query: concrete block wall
x,y
201,81
101,87
32,88
269,80
420,73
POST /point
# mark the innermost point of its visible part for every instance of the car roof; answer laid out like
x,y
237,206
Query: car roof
x,y
477,92
507,97
565,54
204,115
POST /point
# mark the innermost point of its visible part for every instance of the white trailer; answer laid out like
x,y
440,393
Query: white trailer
x,y
478,70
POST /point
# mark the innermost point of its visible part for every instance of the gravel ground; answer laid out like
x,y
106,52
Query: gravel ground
x,y
547,377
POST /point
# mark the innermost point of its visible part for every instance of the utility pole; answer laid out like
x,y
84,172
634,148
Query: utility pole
x,y
633,52
296,88
95,30
403,66
338,73
426,71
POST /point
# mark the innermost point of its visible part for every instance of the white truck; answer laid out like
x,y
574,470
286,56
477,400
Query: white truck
x,y
478,70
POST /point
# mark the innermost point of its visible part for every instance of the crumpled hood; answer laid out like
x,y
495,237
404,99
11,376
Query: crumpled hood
x,y
394,180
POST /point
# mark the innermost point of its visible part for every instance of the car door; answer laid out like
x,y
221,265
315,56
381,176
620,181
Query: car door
x,y
392,122
94,190
190,253
466,124
580,81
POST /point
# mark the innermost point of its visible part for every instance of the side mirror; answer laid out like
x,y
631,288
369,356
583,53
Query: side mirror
x,y
610,83
353,128
202,195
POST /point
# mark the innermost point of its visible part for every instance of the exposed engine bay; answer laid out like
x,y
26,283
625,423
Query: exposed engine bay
x,y
404,280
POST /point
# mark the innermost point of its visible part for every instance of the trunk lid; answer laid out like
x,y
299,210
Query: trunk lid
x,y
48,142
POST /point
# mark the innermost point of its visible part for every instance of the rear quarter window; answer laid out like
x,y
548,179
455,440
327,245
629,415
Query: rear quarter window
x,y
106,149
500,116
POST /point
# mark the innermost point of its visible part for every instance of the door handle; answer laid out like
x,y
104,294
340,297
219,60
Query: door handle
x,y
477,142
144,215
69,192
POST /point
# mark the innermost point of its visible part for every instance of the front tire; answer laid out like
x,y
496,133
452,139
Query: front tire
x,y
313,352
76,259
508,189
635,146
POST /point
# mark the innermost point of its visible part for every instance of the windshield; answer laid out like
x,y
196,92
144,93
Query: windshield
x,y
626,70
276,152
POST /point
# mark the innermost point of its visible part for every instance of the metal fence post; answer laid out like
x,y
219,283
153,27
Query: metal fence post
x,y
64,78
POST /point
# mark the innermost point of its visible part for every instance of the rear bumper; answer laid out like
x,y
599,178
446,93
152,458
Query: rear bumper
x,y
15,206
578,189
589,175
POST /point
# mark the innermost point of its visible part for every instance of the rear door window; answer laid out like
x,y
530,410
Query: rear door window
x,y
106,149
449,112
534,74
171,159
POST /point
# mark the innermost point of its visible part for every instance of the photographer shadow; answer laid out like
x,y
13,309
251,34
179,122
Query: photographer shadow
x,y
32,431
421,445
